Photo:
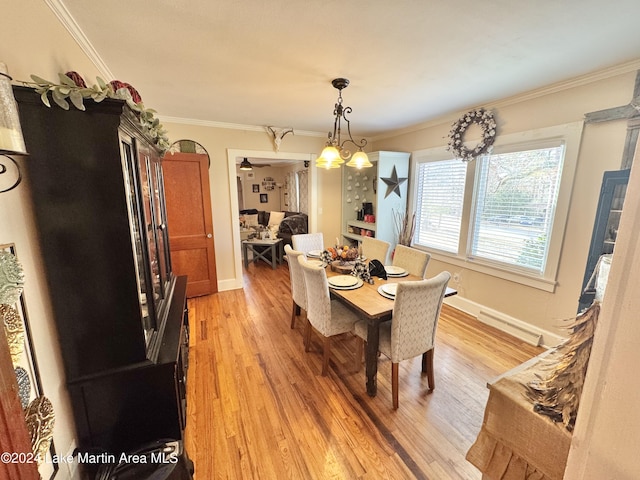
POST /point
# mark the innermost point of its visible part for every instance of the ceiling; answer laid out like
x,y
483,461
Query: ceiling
x,y
259,63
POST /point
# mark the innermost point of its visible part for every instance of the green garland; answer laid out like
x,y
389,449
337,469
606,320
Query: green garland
x,y
67,90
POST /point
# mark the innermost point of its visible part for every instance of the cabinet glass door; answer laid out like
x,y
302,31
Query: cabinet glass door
x,y
605,228
161,221
150,227
137,224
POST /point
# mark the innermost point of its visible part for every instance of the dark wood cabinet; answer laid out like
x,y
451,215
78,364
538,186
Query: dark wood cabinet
x,y
96,185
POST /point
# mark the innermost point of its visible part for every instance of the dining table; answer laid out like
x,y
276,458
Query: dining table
x,y
375,309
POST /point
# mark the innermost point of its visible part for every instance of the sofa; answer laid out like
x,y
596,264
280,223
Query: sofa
x,y
293,222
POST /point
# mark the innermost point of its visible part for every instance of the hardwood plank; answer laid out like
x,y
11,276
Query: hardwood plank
x,y
259,408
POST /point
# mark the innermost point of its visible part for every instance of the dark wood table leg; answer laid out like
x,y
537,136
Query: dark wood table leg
x,y
371,357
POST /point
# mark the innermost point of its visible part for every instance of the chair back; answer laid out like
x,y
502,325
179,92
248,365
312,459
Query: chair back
x,y
298,290
415,316
317,291
374,248
305,242
412,260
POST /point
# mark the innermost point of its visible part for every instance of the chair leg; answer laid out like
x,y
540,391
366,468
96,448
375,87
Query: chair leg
x,y
427,367
394,384
307,336
325,355
294,311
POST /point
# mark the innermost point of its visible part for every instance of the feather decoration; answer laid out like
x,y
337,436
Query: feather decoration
x,y
557,392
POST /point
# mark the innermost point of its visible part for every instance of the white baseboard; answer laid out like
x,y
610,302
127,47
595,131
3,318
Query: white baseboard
x,y
513,326
230,284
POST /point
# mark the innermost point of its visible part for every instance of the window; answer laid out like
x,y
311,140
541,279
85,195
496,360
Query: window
x,y
503,214
515,201
440,197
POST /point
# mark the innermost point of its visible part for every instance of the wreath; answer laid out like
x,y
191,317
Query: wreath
x,y
485,121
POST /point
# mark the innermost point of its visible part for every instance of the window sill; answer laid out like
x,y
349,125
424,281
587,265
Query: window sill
x,y
534,281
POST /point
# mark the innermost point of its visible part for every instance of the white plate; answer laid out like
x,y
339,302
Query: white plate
x,y
343,281
394,270
385,295
314,253
405,274
389,288
316,262
352,287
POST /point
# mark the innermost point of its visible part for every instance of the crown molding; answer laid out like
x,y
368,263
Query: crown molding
x,y
67,20
586,79
233,126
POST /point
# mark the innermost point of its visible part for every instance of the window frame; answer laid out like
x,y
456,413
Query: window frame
x,y
570,134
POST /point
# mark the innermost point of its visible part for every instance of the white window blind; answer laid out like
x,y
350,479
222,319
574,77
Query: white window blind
x,y
439,202
515,202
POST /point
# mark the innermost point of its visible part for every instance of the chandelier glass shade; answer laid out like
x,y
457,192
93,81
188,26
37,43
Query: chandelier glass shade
x,y
335,153
359,160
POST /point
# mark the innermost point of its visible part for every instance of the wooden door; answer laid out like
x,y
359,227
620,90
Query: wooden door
x,y
190,221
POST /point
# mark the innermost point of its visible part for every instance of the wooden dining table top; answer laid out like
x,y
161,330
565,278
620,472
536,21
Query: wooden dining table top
x,y
368,301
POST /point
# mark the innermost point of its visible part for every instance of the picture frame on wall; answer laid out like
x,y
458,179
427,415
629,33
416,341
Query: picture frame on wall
x,y
256,188
264,198
39,413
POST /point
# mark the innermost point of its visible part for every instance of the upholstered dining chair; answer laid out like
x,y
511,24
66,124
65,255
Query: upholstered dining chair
x,y
374,248
412,329
412,260
306,242
298,291
328,317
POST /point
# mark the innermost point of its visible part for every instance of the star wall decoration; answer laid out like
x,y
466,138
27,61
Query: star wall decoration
x,y
393,183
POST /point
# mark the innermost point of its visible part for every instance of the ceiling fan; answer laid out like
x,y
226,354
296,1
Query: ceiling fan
x,y
247,165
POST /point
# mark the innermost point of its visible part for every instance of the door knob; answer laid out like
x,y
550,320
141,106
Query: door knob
x,y
209,235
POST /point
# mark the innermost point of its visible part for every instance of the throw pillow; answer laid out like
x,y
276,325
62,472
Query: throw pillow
x,y
275,218
251,220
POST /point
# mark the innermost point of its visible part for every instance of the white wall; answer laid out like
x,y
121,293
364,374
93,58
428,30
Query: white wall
x,y
252,199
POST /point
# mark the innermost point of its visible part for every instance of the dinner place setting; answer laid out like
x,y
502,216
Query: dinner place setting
x,y
344,282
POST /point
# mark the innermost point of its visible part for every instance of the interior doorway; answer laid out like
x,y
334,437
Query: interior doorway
x,y
274,197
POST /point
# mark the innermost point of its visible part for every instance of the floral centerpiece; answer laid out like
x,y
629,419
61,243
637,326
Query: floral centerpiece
x,y
342,253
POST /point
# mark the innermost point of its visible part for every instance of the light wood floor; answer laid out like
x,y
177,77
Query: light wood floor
x,y
258,407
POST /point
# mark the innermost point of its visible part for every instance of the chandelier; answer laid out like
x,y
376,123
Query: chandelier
x,y
335,153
